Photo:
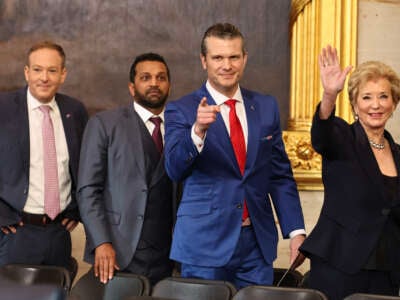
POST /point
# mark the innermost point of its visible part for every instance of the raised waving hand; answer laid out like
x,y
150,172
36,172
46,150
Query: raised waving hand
x,y
332,79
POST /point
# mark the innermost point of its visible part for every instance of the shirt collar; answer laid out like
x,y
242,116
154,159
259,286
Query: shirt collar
x,y
34,103
220,98
144,113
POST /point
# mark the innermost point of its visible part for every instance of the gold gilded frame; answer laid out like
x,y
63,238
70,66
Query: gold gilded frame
x,y
313,25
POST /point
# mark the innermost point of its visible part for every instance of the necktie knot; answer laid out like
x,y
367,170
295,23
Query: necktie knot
x,y
156,121
45,109
231,103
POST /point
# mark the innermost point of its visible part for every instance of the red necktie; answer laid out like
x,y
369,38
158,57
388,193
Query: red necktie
x,y
237,139
156,135
51,188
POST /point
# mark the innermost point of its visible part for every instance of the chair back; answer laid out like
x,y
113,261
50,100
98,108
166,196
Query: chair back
x,y
24,274
260,292
193,289
16,291
73,268
292,278
305,281
146,298
122,285
361,296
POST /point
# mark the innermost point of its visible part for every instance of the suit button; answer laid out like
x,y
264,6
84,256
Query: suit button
x,y
140,217
239,206
385,211
25,191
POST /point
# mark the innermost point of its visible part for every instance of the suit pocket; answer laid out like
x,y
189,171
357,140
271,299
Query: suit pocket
x,y
194,209
113,217
199,189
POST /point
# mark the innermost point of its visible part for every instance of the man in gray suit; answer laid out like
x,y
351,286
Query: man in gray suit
x,y
124,195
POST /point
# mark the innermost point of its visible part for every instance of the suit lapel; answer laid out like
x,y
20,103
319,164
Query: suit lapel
x,y
253,125
67,118
219,133
132,120
22,127
396,157
367,159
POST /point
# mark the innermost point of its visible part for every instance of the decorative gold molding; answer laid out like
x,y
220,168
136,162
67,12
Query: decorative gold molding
x,y
314,24
306,163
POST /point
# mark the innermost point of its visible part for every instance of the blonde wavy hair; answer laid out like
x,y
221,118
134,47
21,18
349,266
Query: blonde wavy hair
x,y
373,70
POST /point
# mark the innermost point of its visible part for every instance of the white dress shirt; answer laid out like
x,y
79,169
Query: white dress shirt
x,y
35,201
145,115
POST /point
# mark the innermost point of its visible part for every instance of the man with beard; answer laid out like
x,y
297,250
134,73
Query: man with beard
x,y
124,195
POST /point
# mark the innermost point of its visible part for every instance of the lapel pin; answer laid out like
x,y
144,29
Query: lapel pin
x,y
252,107
68,116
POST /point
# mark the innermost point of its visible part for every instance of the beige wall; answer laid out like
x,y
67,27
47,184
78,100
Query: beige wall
x,y
379,39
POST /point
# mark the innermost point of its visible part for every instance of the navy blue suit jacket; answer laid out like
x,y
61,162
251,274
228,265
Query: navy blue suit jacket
x,y
15,150
355,205
209,216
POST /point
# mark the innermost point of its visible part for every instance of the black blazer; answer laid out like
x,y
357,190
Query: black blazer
x,y
355,206
15,150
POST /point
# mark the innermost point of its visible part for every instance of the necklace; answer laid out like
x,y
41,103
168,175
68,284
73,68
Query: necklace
x,y
377,145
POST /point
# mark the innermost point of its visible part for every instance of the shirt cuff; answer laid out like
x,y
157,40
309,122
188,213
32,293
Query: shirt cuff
x,y
198,141
297,232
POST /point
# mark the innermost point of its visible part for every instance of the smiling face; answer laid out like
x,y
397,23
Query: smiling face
x,y
224,62
374,104
44,73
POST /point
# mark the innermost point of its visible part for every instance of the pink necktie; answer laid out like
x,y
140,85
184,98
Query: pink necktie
x,y
237,139
51,189
156,135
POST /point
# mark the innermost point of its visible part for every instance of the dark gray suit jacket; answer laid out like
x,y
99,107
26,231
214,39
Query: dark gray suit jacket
x,y
15,149
114,186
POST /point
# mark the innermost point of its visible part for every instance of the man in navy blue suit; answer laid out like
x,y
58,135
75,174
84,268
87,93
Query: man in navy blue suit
x,y
225,226
38,208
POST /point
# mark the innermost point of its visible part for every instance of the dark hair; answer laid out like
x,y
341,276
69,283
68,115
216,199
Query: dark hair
x,y
147,57
47,45
222,31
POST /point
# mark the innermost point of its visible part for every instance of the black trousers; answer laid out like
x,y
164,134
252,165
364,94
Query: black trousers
x,y
151,262
32,244
336,284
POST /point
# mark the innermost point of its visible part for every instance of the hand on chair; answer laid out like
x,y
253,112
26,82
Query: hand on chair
x,y
105,262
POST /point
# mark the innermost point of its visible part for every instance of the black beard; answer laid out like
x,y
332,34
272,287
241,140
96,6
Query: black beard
x,y
147,102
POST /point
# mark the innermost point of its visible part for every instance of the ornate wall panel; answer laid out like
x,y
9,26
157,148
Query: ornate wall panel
x,y
313,25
